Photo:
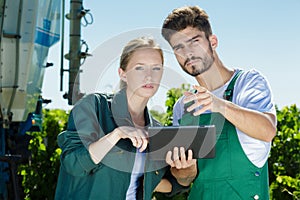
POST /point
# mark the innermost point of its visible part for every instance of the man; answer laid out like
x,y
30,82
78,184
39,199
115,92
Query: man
x,y
240,105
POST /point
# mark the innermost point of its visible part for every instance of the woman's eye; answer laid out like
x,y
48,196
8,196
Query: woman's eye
x,y
139,68
157,68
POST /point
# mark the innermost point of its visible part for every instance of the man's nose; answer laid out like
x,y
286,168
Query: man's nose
x,y
188,53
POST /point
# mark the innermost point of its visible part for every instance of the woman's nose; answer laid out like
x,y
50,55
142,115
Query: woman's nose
x,y
148,71
148,77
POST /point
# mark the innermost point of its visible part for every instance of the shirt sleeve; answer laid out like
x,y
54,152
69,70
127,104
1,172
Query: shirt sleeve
x,y
83,129
178,111
254,92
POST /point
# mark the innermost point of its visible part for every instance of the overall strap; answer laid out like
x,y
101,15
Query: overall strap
x,y
229,91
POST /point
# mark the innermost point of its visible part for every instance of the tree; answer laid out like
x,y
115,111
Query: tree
x,y
172,96
284,160
41,172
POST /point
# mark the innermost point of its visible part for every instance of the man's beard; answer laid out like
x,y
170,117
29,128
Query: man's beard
x,y
196,69
207,62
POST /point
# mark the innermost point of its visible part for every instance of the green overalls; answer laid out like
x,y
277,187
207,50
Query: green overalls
x,y
230,175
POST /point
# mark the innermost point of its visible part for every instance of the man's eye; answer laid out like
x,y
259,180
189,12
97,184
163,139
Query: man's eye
x,y
178,48
195,40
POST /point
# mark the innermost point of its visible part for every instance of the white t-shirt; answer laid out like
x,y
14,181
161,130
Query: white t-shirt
x,y
252,91
137,172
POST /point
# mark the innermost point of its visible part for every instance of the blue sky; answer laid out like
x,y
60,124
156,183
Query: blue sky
x,y
264,35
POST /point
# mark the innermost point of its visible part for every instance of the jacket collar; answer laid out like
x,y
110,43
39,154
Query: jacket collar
x,y
121,115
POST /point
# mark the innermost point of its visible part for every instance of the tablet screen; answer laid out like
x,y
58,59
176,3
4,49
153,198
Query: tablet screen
x,y
200,139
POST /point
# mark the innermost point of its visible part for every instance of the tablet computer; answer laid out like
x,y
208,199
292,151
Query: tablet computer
x,y
200,139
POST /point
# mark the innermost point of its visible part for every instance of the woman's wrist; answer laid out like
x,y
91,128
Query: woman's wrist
x,y
114,136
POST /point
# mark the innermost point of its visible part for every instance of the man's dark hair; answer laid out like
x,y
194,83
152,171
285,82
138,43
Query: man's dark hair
x,y
184,17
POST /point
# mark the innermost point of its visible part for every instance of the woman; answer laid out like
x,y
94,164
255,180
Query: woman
x,y
104,147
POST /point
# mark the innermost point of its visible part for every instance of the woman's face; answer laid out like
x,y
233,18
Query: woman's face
x,y
143,73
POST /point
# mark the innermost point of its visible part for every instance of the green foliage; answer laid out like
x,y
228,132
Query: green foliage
x,y
172,96
161,117
40,174
284,160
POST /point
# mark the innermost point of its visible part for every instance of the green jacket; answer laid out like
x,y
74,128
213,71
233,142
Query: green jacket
x,y
79,177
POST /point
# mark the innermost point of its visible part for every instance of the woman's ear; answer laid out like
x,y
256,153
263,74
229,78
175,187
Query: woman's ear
x,y
122,75
213,41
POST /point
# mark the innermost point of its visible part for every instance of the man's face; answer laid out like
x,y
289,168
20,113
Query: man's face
x,y
192,50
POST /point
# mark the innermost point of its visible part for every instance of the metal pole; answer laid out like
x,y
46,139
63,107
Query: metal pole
x,y
74,52
62,44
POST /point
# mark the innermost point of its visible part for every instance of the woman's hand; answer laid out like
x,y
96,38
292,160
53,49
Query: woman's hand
x,y
137,136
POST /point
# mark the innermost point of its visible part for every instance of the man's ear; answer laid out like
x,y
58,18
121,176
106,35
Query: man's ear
x,y
213,41
122,75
